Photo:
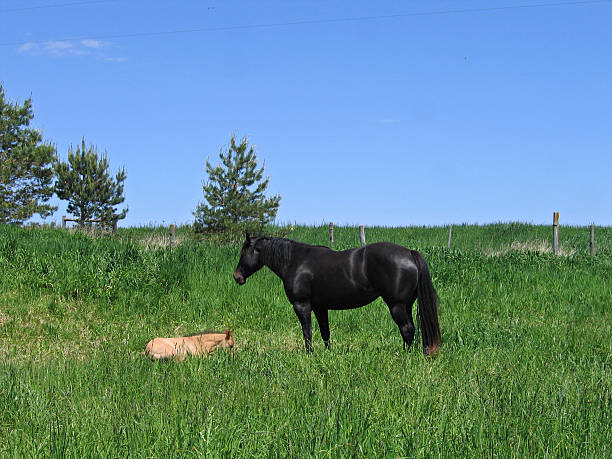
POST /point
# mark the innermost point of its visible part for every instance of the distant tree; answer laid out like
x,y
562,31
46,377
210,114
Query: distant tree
x,y
84,182
234,194
26,165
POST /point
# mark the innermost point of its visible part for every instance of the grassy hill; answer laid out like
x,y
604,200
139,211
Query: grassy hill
x,y
524,370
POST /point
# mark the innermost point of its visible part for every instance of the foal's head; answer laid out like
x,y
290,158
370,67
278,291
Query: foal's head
x,y
228,341
250,260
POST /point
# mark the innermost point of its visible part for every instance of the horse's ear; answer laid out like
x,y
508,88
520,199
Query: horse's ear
x,y
248,237
228,334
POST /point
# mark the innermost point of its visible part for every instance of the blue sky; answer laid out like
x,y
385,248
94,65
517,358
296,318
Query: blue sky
x,y
376,113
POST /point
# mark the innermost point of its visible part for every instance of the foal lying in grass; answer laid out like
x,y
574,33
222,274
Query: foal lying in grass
x,y
198,344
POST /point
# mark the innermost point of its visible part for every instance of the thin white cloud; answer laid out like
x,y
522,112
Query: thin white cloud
x,y
95,44
52,48
26,47
116,59
387,121
58,46
62,48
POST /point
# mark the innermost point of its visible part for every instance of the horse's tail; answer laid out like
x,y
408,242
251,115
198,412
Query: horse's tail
x,y
427,309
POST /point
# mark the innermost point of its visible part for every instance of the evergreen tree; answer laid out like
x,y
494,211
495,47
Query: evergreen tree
x,y
26,165
84,182
234,194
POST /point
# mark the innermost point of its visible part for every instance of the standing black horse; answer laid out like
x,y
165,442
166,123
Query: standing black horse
x,y
317,279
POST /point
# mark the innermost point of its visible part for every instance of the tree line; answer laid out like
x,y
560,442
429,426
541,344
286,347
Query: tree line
x,y
31,173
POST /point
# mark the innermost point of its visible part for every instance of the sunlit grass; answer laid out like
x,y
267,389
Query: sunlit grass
x,y
524,370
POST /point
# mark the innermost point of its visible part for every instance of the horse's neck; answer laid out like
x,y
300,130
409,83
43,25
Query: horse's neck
x,y
275,258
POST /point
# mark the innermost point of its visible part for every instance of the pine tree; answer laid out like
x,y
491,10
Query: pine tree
x,y
84,182
234,194
26,165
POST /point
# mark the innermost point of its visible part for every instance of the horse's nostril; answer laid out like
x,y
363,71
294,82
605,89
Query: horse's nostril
x,y
239,278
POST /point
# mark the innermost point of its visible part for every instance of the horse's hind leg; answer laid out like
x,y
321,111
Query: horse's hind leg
x,y
402,315
409,305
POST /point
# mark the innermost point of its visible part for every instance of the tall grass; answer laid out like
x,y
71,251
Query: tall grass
x,y
524,370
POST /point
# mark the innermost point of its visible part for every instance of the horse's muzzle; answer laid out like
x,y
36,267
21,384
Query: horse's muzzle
x,y
239,278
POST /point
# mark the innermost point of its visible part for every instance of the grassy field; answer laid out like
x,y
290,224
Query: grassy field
x,y
524,370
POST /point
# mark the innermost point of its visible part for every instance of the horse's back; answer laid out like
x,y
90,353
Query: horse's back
x,y
327,278
352,278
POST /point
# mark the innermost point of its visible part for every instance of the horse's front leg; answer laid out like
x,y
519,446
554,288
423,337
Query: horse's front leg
x,y
323,319
303,311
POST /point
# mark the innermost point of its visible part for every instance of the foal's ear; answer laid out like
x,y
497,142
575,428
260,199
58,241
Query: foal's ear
x,y
248,237
228,334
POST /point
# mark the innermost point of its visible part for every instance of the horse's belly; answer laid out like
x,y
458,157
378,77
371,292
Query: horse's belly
x,y
350,305
345,301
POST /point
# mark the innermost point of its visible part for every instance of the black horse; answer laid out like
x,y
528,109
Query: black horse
x,y
317,278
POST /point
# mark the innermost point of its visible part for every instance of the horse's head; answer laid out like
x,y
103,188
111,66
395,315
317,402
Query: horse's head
x,y
250,260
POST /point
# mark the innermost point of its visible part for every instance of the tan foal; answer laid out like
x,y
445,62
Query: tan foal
x,y
178,348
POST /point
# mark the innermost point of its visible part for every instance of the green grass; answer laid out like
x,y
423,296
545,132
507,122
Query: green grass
x,y
524,370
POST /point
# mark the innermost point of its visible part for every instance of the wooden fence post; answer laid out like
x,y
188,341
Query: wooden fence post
x,y
362,235
172,235
63,222
592,240
331,234
450,235
555,233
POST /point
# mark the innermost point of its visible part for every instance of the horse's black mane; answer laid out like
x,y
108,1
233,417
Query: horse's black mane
x,y
276,251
